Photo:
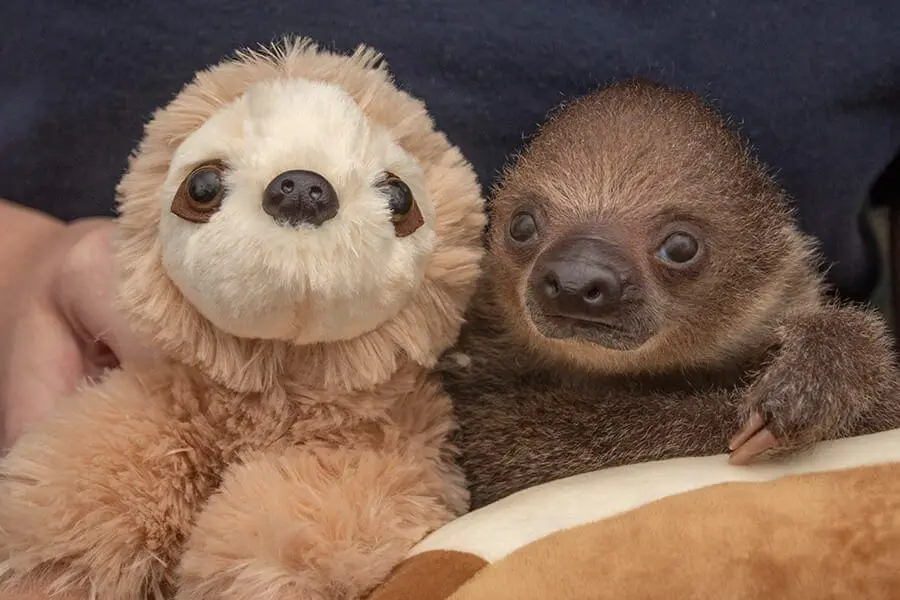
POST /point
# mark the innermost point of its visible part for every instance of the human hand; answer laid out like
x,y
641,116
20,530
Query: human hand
x,y
57,321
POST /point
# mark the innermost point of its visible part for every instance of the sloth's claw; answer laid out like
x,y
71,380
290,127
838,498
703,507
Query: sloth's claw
x,y
750,447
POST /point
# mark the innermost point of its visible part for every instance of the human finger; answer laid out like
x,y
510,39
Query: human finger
x,y
85,289
43,364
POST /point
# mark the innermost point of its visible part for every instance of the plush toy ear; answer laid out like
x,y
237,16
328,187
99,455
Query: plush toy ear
x,y
370,58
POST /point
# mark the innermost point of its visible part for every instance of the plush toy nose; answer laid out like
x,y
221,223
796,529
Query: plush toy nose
x,y
300,198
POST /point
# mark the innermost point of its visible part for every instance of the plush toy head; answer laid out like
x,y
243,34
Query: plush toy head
x,y
290,215
293,212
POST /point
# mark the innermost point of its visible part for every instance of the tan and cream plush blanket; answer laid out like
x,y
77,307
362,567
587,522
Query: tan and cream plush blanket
x,y
824,525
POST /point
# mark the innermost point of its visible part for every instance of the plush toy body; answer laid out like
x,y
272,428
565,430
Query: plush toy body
x,y
648,295
299,245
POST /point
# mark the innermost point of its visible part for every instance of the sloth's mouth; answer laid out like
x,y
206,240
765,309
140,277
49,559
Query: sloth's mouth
x,y
579,324
586,328
614,335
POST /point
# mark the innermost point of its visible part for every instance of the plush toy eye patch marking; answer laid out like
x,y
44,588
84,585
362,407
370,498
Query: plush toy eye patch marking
x,y
200,195
201,192
405,213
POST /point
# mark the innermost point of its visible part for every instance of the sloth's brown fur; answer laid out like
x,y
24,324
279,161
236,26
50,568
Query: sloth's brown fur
x,y
240,468
746,329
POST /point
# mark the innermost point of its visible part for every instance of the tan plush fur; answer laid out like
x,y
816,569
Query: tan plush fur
x,y
301,462
832,535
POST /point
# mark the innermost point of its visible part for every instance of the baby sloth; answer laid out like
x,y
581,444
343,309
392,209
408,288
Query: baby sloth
x,y
647,295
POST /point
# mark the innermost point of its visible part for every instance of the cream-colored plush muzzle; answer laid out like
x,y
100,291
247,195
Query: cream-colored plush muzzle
x,y
254,276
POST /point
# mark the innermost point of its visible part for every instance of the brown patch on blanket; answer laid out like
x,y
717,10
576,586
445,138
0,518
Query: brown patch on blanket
x,y
432,575
832,535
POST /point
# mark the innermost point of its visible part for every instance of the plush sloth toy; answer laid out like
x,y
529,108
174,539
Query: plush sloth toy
x,y
298,244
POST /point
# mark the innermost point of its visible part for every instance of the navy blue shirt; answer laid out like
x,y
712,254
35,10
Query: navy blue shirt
x,y
815,85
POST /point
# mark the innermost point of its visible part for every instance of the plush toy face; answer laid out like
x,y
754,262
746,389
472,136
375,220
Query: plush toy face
x,y
290,215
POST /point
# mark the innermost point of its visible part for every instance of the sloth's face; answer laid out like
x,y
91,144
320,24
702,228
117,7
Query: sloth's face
x,y
611,280
636,232
289,215
634,282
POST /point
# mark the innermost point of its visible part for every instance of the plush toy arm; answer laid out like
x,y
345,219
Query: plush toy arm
x,y
95,501
315,524
38,590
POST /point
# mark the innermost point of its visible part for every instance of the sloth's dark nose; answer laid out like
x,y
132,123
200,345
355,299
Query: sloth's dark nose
x,y
577,280
300,198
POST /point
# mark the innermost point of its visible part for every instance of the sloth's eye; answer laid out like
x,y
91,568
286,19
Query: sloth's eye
x,y
522,227
201,192
405,213
679,248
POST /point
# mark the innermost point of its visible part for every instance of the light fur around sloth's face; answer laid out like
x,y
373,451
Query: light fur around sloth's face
x,y
253,277
253,304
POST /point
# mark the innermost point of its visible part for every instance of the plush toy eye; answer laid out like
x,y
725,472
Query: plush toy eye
x,y
522,227
679,248
400,198
201,192
405,213
204,187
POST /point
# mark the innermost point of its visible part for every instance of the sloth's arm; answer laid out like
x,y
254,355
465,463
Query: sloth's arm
x,y
834,375
323,524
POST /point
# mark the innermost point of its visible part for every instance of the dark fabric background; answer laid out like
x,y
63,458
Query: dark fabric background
x,y
816,85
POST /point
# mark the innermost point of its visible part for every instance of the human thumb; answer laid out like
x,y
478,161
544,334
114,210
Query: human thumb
x,y
84,288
